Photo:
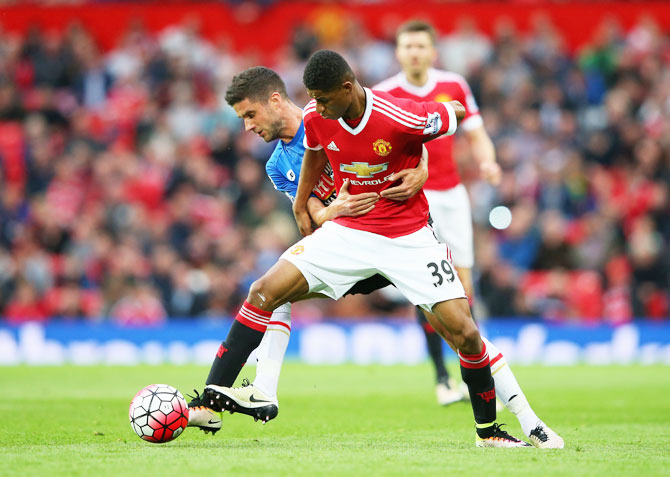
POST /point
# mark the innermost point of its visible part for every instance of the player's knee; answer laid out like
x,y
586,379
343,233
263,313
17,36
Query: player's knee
x,y
261,296
472,340
468,340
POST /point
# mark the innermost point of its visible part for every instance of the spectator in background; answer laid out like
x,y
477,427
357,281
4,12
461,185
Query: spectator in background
x,y
138,305
554,251
25,305
519,243
617,298
465,50
93,82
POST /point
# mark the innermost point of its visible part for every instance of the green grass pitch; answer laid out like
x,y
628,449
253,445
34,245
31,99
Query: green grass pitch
x,y
341,420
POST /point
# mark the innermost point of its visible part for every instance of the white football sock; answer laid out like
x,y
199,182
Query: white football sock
x,y
271,351
509,391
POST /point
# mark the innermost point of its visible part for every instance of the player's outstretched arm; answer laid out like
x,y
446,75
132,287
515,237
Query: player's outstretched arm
x,y
411,180
313,163
485,154
345,204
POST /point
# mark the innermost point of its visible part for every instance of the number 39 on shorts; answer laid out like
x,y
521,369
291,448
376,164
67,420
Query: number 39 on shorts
x,y
447,270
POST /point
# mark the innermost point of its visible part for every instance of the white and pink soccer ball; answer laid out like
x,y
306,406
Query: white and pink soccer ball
x,y
158,413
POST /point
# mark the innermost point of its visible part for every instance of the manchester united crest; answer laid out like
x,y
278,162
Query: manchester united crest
x,y
297,250
381,147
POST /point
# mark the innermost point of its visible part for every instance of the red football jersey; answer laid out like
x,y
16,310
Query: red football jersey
x,y
387,139
441,86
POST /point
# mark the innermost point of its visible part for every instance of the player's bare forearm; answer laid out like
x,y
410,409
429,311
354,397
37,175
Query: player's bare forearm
x,y
319,212
345,204
484,153
313,163
411,180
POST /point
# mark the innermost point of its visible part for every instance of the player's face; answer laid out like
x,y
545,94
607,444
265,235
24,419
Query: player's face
x,y
332,104
415,52
261,118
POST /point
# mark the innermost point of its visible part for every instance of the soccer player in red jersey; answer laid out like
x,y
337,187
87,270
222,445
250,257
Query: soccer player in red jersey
x,y
450,205
258,96
384,135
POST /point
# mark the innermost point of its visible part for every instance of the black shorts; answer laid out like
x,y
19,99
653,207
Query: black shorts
x,y
367,286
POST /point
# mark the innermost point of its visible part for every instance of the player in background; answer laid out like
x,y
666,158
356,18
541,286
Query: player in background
x,y
258,96
447,197
449,202
384,135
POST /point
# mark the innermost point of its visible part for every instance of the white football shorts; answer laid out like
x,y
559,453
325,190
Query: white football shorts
x,y
452,222
335,257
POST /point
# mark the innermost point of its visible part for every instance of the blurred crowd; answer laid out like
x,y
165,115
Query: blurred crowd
x,y
129,191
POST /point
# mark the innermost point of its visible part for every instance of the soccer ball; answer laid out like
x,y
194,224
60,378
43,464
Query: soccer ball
x,y
158,413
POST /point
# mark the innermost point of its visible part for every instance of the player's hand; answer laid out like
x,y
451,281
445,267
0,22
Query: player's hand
x,y
411,182
491,172
350,205
303,220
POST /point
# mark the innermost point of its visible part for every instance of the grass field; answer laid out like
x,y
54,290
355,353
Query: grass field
x,y
343,420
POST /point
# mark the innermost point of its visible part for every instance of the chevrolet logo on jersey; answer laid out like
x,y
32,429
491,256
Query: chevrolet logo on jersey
x,y
363,169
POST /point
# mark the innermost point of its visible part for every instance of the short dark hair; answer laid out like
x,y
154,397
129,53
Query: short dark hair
x,y
414,26
326,70
256,84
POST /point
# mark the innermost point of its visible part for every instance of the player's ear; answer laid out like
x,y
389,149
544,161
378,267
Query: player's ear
x,y
275,99
347,87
